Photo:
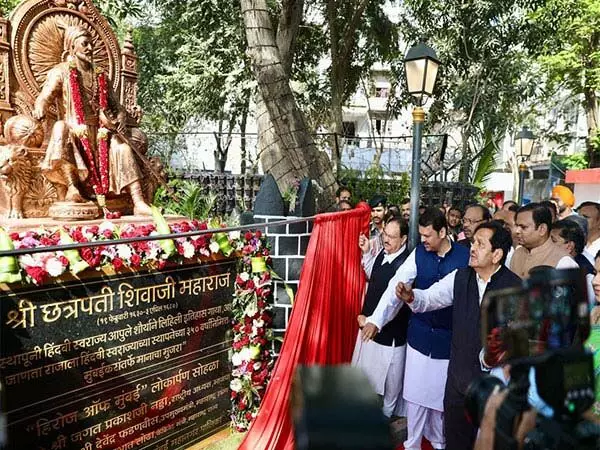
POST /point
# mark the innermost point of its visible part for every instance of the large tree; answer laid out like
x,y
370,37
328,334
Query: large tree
x,y
289,150
565,36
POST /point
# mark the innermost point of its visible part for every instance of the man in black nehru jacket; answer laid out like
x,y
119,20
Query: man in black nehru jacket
x,y
464,289
382,359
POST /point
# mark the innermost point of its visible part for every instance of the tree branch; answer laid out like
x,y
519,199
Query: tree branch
x,y
287,31
348,38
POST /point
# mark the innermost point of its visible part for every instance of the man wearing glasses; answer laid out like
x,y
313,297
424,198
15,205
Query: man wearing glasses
x,y
382,359
474,216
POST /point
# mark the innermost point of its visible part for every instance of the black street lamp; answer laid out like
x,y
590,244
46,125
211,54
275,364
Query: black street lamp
x,y
523,146
421,65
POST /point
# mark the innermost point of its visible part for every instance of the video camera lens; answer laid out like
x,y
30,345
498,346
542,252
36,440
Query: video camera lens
x,y
477,395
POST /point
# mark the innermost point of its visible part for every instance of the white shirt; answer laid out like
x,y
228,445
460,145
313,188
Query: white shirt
x,y
368,259
592,250
441,294
389,305
566,262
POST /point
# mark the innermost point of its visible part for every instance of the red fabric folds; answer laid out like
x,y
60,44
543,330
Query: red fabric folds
x,y
322,327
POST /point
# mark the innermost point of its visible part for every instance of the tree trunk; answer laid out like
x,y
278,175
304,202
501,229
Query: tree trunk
x,y
286,148
342,42
465,163
243,146
591,113
287,30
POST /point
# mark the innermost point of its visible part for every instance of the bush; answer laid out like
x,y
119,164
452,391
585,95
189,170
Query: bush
x,y
374,181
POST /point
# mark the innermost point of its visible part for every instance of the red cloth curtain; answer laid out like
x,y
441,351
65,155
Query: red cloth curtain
x,y
322,326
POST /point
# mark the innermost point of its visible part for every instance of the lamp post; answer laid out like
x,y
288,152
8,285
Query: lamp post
x,y
421,65
523,145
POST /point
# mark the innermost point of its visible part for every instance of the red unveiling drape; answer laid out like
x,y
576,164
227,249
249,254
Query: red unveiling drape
x,y
322,327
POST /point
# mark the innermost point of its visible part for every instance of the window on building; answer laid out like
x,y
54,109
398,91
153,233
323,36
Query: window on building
x,y
349,129
382,92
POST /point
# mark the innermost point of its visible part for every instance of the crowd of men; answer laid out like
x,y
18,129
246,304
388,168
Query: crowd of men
x,y
419,330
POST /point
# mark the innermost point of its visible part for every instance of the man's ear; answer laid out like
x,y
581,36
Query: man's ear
x,y
571,247
443,232
497,255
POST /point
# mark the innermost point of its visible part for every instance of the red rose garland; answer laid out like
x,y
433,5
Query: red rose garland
x,y
252,359
98,178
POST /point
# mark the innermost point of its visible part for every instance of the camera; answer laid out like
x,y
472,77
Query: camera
x,y
537,330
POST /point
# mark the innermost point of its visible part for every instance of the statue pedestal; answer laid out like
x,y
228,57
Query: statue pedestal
x,y
71,211
18,225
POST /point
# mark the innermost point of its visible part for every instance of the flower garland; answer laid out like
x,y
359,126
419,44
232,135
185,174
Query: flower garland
x,y
39,268
252,359
98,176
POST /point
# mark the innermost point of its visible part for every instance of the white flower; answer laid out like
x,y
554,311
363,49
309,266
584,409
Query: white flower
x,y
246,354
234,235
256,281
257,366
154,250
236,359
106,225
188,250
251,309
214,247
124,251
235,385
54,267
258,323
245,276
28,261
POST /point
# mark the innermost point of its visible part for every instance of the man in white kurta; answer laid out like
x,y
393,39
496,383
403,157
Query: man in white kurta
x,y
426,363
382,359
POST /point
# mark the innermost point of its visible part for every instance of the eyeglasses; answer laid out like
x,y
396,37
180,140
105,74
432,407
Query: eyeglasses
x,y
395,236
471,221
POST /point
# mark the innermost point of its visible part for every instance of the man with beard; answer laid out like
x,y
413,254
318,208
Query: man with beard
x,y
378,206
464,289
405,209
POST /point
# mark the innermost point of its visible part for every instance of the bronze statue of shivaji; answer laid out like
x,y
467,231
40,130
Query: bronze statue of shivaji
x,y
75,149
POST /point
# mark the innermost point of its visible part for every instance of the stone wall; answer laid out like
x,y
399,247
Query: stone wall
x,y
288,246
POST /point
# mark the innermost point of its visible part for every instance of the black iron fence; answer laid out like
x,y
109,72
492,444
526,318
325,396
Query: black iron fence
x,y
203,150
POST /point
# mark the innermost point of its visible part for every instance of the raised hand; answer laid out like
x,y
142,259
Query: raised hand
x,y
363,243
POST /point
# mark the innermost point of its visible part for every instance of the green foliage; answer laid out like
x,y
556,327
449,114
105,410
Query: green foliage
x,y
486,163
119,12
575,162
373,182
186,199
565,36
6,6
484,77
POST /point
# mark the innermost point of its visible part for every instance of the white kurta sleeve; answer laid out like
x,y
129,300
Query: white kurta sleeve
x,y
389,305
439,295
368,261
566,262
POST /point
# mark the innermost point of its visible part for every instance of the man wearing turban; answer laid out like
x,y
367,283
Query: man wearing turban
x,y
65,160
564,199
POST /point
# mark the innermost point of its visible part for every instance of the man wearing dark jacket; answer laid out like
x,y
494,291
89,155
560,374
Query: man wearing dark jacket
x,y
382,359
464,289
